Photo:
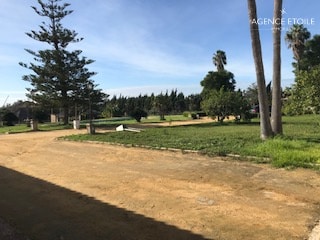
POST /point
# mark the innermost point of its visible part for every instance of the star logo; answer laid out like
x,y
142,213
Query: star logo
x,y
283,11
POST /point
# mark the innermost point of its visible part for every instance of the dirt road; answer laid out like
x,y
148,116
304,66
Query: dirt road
x,y
52,189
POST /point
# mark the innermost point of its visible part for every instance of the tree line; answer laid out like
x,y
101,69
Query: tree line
x,y
144,105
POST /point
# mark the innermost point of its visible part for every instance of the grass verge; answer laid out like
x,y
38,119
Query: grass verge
x,y
20,128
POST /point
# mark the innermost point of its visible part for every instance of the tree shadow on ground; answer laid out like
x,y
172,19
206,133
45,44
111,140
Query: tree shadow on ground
x,y
42,210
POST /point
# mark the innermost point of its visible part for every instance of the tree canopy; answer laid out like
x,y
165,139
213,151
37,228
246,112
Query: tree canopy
x,y
222,104
217,80
311,54
303,96
219,59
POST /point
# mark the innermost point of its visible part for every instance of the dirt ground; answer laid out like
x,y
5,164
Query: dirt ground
x,y
62,190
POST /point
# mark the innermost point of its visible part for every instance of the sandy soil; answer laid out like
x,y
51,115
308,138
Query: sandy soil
x,y
58,190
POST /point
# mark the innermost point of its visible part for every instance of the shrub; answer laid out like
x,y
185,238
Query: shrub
x,y
138,113
10,119
186,114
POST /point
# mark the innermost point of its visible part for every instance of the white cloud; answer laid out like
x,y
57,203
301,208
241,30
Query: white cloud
x,y
10,97
151,60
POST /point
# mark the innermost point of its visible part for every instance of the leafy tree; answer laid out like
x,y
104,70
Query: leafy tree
x,y
302,97
22,109
296,38
265,125
61,77
305,93
162,104
112,107
251,94
10,119
172,99
241,106
216,81
311,55
222,104
148,102
292,104
218,103
138,113
180,103
219,59
193,102
41,115
130,105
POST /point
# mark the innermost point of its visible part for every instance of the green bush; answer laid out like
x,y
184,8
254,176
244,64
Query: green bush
x,y
138,113
186,114
10,119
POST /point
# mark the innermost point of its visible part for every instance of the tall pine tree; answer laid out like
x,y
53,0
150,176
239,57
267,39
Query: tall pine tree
x,y
60,77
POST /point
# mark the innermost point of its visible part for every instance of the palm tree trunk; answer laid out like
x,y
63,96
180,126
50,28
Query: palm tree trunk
x,y
276,120
265,126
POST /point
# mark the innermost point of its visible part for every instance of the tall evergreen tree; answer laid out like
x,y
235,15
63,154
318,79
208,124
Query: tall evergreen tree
x,y
60,77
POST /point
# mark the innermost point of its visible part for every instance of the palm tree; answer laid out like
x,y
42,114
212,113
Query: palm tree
x,y
276,120
265,126
296,38
219,60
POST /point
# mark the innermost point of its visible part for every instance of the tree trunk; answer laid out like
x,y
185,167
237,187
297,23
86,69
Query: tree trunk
x,y
65,115
162,118
265,126
276,120
65,106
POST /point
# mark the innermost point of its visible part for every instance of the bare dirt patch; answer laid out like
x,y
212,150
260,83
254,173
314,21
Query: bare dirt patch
x,y
53,189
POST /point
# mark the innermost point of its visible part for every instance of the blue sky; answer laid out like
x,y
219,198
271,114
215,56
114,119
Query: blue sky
x,y
144,46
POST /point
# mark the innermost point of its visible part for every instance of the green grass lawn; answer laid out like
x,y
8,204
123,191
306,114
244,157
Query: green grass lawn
x,y
20,128
299,147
